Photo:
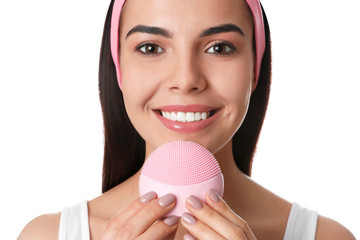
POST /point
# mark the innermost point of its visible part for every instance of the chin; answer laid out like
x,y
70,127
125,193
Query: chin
x,y
213,143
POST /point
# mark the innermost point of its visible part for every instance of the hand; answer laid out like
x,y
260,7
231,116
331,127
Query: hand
x,y
141,220
214,220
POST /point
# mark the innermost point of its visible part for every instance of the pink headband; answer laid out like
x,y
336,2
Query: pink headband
x,y
255,8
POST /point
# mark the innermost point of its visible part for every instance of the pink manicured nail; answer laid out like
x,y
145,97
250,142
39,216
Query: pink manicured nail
x,y
213,195
187,218
188,237
171,220
194,202
166,200
147,197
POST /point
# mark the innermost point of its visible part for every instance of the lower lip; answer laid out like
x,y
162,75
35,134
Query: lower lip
x,y
187,127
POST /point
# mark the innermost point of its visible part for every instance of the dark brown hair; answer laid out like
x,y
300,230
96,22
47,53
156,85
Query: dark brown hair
x,y
124,149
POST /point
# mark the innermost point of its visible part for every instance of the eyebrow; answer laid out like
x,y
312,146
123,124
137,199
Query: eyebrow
x,y
150,30
229,27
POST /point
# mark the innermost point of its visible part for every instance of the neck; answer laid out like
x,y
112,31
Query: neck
x,y
235,181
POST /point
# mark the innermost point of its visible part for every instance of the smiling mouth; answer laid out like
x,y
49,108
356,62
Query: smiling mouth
x,y
186,116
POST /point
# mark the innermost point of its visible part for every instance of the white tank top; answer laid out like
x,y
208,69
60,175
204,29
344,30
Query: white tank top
x,y
74,223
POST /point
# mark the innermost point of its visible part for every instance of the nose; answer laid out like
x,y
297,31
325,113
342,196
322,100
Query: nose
x,y
187,74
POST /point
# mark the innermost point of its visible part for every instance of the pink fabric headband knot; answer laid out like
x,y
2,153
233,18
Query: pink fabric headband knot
x,y
259,29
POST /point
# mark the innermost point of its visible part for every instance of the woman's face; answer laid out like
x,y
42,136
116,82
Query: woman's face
x,y
187,69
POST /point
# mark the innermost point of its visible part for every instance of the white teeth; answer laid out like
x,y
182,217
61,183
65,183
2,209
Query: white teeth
x,y
173,116
190,117
180,117
204,116
197,116
168,115
185,116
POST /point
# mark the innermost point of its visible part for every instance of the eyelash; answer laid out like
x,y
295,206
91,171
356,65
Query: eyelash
x,y
141,45
229,47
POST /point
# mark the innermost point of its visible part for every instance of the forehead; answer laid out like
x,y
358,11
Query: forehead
x,y
180,16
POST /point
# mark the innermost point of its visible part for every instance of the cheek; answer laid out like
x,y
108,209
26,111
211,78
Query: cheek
x,y
233,82
139,82
240,99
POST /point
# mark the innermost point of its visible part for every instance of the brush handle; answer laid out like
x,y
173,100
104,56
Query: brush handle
x,y
181,192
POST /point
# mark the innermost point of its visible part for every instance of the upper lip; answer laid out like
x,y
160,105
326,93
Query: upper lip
x,y
186,108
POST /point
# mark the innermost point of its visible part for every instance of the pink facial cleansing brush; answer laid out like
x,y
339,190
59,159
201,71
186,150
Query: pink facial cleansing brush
x,y
182,168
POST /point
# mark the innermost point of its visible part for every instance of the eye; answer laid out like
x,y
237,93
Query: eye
x,y
221,48
149,49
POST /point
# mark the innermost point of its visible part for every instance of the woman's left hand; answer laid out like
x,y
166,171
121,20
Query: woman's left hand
x,y
214,220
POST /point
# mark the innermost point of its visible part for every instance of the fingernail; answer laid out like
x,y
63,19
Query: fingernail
x,y
147,197
166,200
172,220
213,195
187,218
188,237
194,202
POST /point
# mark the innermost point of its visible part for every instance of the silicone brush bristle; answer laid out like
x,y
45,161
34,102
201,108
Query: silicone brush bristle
x,y
181,163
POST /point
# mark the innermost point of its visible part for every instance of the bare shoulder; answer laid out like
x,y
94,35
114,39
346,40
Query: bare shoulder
x,y
43,227
330,229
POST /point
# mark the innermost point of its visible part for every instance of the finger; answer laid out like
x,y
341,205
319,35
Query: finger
x,y
198,229
123,216
214,220
173,234
188,237
160,229
144,218
219,205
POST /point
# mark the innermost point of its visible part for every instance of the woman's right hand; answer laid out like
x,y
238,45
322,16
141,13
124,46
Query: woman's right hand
x,y
142,219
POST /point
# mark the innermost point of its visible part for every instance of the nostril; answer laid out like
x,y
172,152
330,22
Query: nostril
x,y
186,79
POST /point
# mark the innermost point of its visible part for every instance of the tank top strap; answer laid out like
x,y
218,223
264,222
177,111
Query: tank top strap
x,y
74,223
301,224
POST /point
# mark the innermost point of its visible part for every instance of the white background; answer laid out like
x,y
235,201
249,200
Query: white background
x,y
51,141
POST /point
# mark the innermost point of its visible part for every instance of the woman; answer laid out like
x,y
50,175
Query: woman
x,y
203,56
